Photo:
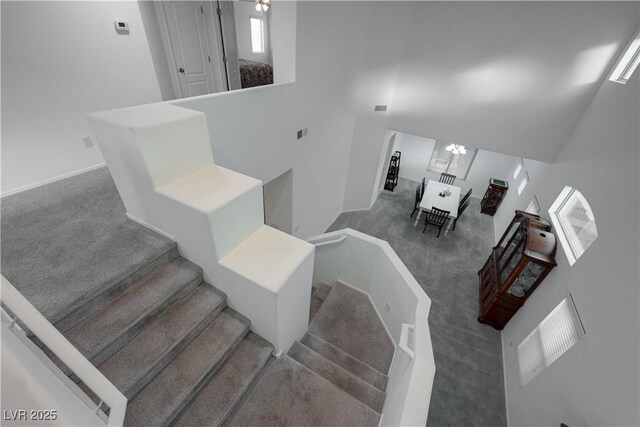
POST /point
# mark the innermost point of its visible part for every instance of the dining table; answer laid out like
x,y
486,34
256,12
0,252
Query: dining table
x,y
432,199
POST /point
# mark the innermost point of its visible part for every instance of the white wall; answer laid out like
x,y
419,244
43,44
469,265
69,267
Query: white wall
x,y
416,153
253,131
156,48
60,61
278,202
596,382
466,76
243,12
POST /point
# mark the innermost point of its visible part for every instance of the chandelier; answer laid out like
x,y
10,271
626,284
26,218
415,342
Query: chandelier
x,y
262,5
456,149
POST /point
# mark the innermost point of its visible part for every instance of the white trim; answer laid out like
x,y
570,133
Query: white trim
x,y
150,227
331,242
374,307
54,179
504,378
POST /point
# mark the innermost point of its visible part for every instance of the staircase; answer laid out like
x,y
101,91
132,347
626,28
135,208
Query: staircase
x,y
170,344
337,366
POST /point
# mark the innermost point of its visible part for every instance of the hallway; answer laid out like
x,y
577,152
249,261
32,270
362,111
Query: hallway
x,y
468,387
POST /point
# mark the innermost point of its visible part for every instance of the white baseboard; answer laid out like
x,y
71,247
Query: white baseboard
x,y
150,227
50,180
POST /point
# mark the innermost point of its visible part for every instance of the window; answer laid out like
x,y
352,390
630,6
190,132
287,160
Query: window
x,y
628,62
444,161
257,35
553,337
518,168
523,183
534,206
574,222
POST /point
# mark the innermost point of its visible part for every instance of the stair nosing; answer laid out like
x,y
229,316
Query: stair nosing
x,y
341,390
141,322
385,376
203,380
346,373
74,315
207,374
178,346
239,397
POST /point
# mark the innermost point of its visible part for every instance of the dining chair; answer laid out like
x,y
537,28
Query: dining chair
x,y
461,209
417,200
424,181
436,217
447,178
466,197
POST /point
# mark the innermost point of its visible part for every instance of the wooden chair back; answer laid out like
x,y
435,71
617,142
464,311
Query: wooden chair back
x,y
447,178
437,216
466,197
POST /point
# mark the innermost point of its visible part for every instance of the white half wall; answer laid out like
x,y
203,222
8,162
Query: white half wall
x,y
595,383
60,61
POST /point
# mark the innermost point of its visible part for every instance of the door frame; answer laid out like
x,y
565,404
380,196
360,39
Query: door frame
x,y
215,46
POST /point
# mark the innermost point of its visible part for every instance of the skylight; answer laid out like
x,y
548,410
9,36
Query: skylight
x,y
628,63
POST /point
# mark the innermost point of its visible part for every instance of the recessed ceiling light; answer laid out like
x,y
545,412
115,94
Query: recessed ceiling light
x,y
629,61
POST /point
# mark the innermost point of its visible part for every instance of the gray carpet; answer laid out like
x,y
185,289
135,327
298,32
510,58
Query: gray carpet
x,y
65,242
289,394
348,321
468,387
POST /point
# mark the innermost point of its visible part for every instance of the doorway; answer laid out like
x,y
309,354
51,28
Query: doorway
x,y
190,33
278,202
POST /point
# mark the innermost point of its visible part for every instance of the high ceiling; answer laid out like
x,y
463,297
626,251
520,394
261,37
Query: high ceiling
x,y
511,77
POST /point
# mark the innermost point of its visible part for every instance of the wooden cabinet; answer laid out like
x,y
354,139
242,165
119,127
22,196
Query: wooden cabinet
x,y
518,263
493,196
393,172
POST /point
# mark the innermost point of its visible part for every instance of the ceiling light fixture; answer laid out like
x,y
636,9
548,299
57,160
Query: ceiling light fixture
x,y
456,149
629,61
262,5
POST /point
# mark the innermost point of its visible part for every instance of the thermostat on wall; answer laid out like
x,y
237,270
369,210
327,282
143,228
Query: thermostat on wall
x,y
121,26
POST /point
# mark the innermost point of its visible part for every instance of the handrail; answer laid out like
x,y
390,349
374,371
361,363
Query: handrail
x,y
331,242
65,351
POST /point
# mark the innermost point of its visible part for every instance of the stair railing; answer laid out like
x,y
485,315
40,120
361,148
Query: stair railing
x,y
27,314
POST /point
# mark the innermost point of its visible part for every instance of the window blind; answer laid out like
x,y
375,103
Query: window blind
x,y
554,336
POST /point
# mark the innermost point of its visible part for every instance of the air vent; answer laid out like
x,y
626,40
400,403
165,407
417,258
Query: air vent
x,y
380,108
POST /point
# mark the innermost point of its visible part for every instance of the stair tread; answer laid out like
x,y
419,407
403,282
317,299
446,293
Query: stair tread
x,y
171,390
346,361
138,361
121,319
341,378
323,290
216,401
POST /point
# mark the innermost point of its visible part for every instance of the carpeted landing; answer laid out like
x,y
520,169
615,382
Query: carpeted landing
x,y
66,243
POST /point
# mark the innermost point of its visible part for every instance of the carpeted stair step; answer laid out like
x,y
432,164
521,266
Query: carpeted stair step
x,y
346,361
166,396
217,400
112,289
344,380
104,332
140,360
319,294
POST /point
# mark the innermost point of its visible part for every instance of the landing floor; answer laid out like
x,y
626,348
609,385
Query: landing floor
x,y
468,387
63,241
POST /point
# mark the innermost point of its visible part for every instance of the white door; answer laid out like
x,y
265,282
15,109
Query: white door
x,y
191,46
229,41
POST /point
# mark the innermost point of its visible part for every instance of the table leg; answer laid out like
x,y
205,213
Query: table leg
x,y
415,224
